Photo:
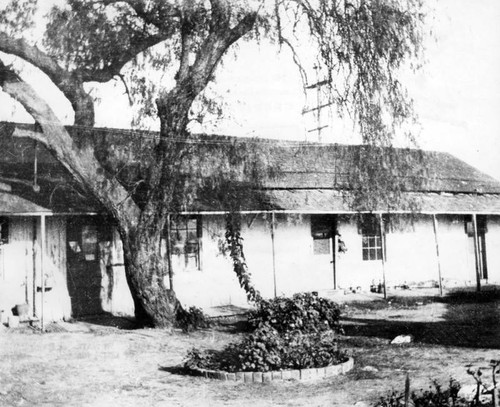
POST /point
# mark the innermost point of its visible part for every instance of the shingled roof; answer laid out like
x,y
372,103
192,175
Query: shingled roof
x,y
308,179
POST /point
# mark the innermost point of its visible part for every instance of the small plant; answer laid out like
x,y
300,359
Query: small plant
x,y
192,319
449,397
436,396
304,312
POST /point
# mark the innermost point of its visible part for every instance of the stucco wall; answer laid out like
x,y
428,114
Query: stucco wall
x,y
410,248
114,293
493,249
16,264
411,258
57,303
20,278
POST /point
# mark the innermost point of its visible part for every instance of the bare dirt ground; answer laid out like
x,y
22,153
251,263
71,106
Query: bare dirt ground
x,y
94,363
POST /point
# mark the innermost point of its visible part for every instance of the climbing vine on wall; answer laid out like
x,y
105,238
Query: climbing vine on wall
x,y
234,241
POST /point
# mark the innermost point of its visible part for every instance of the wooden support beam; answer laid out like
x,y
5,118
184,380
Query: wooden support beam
x,y
42,269
476,253
334,245
435,223
382,242
274,253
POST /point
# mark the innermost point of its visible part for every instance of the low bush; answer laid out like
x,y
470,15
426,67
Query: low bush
x,y
191,319
266,349
304,312
288,333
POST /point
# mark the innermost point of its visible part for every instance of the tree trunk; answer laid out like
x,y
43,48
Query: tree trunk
x,y
155,304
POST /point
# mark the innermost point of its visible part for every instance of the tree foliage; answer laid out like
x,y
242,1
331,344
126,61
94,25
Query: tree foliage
x,y
167,52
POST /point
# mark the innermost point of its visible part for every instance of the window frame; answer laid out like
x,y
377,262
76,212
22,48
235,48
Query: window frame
x,y
192,248
323,227
373,241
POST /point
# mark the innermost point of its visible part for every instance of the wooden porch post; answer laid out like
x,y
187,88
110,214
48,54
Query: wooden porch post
x,y
334,243
435,223
42,269
382,242
476,254
274,253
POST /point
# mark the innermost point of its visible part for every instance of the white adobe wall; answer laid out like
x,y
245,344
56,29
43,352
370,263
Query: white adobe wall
x,y
19,277
215,284
297,269
411,254
456,252
493,249
16,264
115,294
57,303
411,258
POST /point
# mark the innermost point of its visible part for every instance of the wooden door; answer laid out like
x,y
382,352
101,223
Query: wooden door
x,y
84,274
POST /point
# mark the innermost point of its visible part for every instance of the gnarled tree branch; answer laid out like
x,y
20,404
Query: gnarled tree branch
x,y
79,161
69,83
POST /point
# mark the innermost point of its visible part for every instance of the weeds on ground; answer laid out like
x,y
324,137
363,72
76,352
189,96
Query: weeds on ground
x,y
191,319
485,394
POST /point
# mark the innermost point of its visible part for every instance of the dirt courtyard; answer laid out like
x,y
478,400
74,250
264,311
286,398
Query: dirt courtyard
x,y
94,363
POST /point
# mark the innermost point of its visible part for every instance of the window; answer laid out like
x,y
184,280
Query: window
x,y
469,226
185,237
322,230
369,227
372,248
4,230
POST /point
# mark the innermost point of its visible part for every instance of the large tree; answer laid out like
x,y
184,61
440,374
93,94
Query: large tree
x,y
359,46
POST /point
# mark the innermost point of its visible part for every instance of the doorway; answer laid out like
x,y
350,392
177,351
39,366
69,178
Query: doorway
x,y
482,264
83,268
324,234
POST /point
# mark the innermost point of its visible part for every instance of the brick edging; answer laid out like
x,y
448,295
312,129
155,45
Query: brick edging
x,y
266,377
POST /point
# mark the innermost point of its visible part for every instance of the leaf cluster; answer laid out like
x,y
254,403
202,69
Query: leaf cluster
x,y
288,333
192,319
18,16
266,349
304,312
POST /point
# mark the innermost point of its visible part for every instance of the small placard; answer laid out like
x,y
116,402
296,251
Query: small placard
x,y
321,246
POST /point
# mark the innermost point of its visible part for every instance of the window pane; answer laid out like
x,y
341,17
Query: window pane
x,y
379,254
365,254
373,254
191,224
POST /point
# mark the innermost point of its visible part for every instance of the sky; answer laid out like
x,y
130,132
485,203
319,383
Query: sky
x,y
456,93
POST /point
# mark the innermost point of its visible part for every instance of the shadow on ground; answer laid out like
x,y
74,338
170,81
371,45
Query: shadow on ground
x,y
109,320
467,319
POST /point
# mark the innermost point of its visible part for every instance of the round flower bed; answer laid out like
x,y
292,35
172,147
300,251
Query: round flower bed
x,y
290,338
280,375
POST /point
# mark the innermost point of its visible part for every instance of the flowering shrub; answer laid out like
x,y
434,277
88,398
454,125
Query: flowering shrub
x,y
304,312
288,333
266,349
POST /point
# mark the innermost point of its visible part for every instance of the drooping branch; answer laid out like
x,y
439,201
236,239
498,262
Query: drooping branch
x,y
79,161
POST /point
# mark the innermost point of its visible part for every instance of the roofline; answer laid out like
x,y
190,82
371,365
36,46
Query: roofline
x,y
298,212
41,213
